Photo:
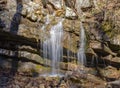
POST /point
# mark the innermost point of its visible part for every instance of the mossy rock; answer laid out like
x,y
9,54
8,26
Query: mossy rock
x,y
40,69
107,27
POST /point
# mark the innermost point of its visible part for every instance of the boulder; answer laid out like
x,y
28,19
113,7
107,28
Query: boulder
x,y
101,48
85,80
110,73
115,40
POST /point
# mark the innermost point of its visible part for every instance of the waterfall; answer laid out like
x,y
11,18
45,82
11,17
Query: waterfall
x,y
56,38
52,47
81,52
69,45
44,37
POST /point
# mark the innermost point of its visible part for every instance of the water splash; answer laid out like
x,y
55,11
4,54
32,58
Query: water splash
x,y
81,52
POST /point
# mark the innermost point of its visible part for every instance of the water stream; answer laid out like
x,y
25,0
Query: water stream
x,y
52,47
56,34
81,52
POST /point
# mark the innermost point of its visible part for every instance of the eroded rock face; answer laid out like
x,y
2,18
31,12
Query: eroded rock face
x,y
96,24
100,20
32,11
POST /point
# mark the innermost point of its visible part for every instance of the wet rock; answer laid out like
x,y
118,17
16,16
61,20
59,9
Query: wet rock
x,y
31,68
68,66
90,52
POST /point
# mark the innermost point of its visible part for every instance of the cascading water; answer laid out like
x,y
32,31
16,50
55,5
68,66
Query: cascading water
x,y
56,39
52,47
69,45
81,52
44,37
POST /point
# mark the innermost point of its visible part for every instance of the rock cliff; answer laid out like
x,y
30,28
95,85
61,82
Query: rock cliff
x,y
21,33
